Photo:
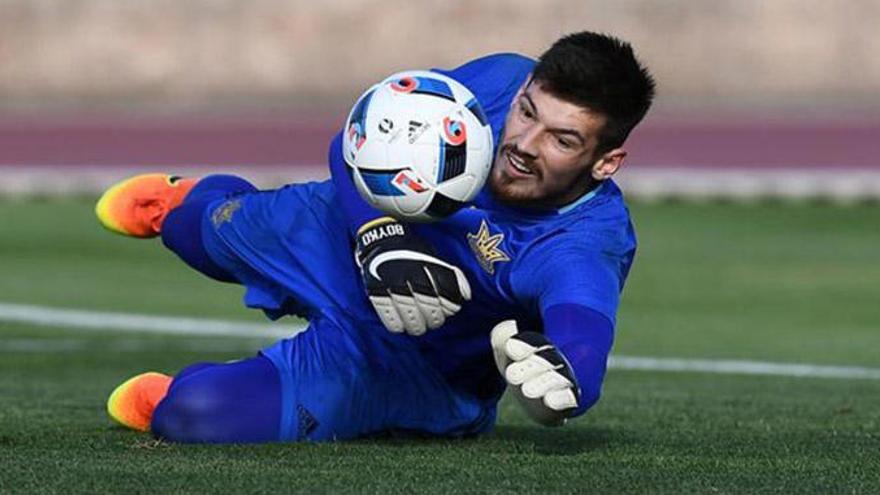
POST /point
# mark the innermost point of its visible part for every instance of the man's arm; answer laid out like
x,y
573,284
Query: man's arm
x,y
357,211
584,336
576,286
411,290
493,80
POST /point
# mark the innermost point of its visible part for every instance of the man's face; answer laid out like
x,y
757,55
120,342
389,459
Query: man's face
x,y
545,158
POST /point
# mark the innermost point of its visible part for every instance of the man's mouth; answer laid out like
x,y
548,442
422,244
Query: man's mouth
x,y
518,164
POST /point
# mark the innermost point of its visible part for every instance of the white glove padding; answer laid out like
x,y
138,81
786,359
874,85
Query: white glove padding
x,y
411,289
540,377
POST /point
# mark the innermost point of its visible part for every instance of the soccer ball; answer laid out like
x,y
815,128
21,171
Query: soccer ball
x,y
418,146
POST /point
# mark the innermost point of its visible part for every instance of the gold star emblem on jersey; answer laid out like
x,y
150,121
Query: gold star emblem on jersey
x,y
224,212
485,247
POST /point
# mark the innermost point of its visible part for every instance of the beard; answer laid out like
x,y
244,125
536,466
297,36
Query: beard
x,y
507,188
537,190
507,191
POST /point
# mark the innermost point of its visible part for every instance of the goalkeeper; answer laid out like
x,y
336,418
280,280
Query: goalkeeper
x,y
400,336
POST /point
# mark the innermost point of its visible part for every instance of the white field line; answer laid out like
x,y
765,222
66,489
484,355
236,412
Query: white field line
x,y
134,344
126,322
728,367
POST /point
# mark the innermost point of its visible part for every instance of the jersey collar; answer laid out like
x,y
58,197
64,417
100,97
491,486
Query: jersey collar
x,y
583,199
524,212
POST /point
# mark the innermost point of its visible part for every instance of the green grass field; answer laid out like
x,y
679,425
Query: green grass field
x,y
771,282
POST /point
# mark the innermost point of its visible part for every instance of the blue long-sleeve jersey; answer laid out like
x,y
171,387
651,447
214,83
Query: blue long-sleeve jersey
x,y
560,272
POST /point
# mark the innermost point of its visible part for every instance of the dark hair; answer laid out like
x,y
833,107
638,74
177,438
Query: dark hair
x,y
599,72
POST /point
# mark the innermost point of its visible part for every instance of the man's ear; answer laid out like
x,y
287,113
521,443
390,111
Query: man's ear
x,y
608,164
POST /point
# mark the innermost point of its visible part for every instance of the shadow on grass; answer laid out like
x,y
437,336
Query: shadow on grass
x,y
565,441
523,438
558,441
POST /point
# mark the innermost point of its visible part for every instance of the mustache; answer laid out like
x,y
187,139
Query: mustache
x,y
513,150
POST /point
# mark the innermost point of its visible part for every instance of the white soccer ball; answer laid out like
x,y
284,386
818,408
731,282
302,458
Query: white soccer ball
x,y
418,145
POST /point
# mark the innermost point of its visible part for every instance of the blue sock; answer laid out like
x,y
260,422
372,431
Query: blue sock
x,y
182,228
238,402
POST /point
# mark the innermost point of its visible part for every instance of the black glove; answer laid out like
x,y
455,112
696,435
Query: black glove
x,y
540,377
410,288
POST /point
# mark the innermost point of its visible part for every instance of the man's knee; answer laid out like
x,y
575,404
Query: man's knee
x,y
228,403
186,415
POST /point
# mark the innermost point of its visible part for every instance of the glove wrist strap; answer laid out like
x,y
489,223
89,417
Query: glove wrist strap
x,y
377,230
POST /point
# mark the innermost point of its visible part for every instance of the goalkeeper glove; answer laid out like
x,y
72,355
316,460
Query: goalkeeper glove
x,y
540,377
409,287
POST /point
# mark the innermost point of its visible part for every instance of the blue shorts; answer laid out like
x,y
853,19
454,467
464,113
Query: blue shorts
x,y
345,376
339,382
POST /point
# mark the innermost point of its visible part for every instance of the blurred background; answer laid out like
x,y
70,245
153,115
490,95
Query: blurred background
x,y
756,98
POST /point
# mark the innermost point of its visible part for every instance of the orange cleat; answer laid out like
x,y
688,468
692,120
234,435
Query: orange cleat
x,y
137,206
132,403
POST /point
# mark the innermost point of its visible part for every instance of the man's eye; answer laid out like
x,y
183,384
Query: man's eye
x,y
564,144
525,112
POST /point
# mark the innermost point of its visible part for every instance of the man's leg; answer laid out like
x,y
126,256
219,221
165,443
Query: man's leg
x,y
237,402
148,205
182,228
334,381
344,379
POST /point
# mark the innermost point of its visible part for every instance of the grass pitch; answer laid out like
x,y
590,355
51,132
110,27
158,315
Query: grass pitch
x,y
782,283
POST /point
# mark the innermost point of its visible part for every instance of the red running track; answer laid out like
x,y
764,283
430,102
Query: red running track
x,y
247,141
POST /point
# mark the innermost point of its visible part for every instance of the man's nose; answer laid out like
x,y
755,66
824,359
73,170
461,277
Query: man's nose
x,y
527,142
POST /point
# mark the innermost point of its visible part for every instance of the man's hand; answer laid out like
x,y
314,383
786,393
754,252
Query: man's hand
x,y
539,375
409,287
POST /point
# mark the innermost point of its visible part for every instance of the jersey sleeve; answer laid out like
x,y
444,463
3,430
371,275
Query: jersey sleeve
x,y
570,271
357,212
494,81
584,337
577,290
